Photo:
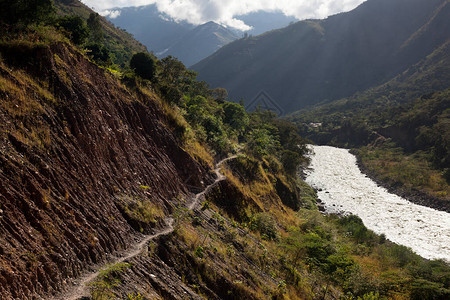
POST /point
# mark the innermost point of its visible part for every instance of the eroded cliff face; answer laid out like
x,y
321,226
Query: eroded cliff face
x,y
78,155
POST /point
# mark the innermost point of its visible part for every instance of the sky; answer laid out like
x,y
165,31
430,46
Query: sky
x,y
225,11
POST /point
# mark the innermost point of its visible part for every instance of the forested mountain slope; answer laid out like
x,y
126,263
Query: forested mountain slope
x,y
322,60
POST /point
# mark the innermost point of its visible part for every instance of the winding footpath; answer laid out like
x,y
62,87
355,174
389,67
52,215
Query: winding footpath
x,y
81,288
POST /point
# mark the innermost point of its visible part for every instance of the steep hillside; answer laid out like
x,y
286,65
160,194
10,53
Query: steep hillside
x,y
322,60
120,43
263,21
77,150
431,74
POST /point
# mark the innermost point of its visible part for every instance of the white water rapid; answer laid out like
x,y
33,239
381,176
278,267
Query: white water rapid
x,y
343,188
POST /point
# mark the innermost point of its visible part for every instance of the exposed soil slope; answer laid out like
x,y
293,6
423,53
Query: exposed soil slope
x,y
77,151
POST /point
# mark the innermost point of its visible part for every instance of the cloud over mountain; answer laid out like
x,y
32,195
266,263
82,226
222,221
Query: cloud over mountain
x,y
224,12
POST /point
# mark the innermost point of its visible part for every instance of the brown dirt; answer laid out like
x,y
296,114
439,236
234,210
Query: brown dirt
x,y
61,191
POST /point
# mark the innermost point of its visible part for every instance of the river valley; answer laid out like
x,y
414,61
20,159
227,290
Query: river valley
x,y
343,188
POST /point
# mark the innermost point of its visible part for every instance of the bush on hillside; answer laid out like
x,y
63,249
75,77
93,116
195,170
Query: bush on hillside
x,y
144,65
99,53
76,28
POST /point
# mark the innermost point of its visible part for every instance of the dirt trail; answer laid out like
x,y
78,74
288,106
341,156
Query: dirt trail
x,y
81,288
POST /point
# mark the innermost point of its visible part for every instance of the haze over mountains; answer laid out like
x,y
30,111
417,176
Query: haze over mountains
x,y
314,61
165,36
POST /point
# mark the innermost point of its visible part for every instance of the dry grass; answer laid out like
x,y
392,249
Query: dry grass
x,y
22,99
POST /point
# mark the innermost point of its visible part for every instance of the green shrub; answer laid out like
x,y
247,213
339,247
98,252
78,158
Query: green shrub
x,y
99,53
144,65
266,225
356,228
422,289
199,252
108,279
76,28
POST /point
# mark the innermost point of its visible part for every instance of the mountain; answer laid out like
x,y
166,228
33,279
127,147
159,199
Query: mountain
x,y
154,29
189,43
314,61
263,21
199,43
165,36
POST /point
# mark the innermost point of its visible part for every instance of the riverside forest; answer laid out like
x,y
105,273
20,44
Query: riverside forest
x,y
127,176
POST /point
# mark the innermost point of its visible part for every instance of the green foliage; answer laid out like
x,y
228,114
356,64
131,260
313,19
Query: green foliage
x,y
205,116
107,280
422,289
199,252
261,143
397,168
99,53
290,160
95,28
144,65
354,226
75,27
264,224
25,12
400,256
132,296
235,116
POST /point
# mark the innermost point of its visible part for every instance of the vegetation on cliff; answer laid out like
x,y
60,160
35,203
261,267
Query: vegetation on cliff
x,y
91,158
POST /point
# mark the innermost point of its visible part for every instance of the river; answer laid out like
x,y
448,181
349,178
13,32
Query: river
x,y
343,188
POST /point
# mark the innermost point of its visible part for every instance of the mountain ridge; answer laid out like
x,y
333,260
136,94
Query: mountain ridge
x,y
327,59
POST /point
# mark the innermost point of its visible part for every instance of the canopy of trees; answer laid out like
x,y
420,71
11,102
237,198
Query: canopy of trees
x,y
25,12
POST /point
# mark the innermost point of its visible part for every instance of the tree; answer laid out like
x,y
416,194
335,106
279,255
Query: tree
x,y
25,12
291,161
220,94
261,143
76,27
144,65
95,28
235,116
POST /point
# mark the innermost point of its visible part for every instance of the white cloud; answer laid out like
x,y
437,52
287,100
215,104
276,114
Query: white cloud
x,y
224,11
113,13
